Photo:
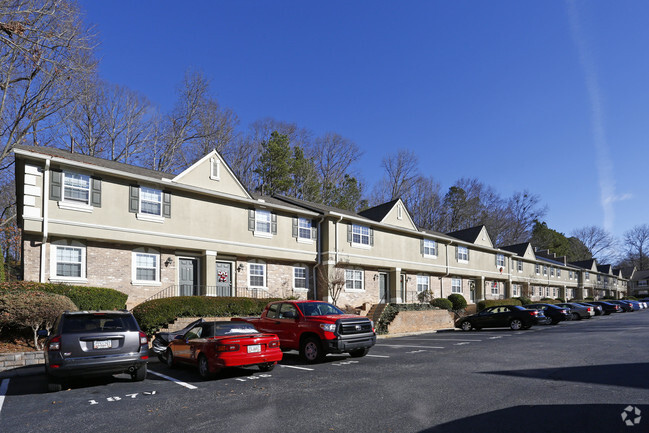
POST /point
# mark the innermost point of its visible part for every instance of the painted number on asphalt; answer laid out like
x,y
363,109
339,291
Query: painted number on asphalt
x,y
344,363
127,396
252,377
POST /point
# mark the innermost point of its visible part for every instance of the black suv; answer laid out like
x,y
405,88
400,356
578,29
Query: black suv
x,y
95,343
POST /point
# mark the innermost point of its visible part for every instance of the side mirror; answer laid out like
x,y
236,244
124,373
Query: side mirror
x,y
43,333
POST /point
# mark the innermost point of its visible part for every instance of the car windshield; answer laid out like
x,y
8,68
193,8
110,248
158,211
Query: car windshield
x,y
99,323
222,329
318,309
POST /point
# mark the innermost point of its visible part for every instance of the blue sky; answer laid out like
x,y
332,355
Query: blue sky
x,y
550,96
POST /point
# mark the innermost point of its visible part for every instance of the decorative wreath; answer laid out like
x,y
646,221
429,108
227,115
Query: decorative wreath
x,y
223,276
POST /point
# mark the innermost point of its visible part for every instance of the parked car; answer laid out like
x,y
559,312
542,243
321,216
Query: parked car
x,y
578,311
608,307
513,316
551,311
213,346
599,311
94,343
315,328
626,306
635,304
161,340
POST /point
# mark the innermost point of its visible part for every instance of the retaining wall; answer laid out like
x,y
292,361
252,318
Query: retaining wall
x,y
10,361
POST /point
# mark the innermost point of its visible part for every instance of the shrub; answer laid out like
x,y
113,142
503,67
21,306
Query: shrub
x,y
493,302
158,313
33,309
425,297
524,300
458,301
560,300
85,298
442,303
631,298
589,298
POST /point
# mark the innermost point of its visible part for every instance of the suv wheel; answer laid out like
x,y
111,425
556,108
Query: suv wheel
x,y
140,374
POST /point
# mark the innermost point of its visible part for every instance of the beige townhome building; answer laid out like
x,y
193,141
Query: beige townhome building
x,y
90,221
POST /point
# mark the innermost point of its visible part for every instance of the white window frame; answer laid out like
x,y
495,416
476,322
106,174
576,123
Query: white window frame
x,y
456,285
134,267
587,276
552,271
304,268
423,283
500,260
54,262
462,254
257,269
558,273
145,216
261,222
363,235
215,169
304,224
355,275
516,290
430,248
537,268
495,289
642,283
520,266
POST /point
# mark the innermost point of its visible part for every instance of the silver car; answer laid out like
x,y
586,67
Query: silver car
x,y
579,311
95,343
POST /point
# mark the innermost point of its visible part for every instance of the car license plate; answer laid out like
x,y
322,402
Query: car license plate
x,y
255,348
102,344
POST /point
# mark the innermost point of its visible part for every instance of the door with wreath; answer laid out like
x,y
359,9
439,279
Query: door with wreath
x,y
223,279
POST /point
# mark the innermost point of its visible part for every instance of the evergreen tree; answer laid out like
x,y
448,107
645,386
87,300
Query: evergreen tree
x,y
275,167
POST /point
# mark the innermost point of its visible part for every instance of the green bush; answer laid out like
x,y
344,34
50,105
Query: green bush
x,y
589,298
391,312
550,301
85,298
458,301
560,300
32,309
158,313
524,300
631,298
493,302
443,304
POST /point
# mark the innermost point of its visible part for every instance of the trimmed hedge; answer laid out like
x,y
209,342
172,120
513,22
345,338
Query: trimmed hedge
x,y
458,301
442,303
85,298
493,302
392,310
158,313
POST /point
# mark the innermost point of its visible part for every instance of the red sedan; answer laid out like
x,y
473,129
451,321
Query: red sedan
x,y
213,346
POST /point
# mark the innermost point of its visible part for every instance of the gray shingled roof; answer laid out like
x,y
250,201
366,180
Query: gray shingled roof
x,y
100,162
315,207
518,249
468,235
377,213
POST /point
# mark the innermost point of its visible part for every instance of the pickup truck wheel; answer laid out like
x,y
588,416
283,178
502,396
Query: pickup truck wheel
x,y
311,350
267,366
359,352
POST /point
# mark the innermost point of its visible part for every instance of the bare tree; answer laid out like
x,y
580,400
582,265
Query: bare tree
x,y
401,173
636,242
333,156
425,203
44,50
598,241
333,280
523,208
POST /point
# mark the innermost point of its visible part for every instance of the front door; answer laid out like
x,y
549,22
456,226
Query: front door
x,y
188,281
223,279
384,288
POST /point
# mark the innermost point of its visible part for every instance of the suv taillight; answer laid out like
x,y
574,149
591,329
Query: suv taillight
x,y
55,343
143,338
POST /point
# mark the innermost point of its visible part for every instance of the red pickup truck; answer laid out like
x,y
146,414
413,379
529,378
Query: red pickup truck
x,y
315,328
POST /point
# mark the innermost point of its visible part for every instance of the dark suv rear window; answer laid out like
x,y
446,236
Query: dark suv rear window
x,y
99,323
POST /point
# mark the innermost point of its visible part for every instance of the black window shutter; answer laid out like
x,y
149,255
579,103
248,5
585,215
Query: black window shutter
x,y
314,230
294,228
166,205
251,220
457,253
349,233
134,199
95,193
55,185
273,223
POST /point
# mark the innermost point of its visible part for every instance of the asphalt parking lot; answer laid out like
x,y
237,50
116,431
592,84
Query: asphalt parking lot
x,y
588,375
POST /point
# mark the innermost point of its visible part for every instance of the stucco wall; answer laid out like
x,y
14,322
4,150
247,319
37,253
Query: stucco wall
x,y
419,321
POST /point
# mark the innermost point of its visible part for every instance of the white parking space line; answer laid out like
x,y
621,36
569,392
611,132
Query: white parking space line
x,y
378,356
176,381
295,367
442,339
409,345
3,391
